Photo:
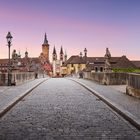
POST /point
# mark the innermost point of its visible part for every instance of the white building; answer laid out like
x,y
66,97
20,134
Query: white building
x,y
57,63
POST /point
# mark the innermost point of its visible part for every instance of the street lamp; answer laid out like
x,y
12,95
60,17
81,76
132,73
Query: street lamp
x,y
9,40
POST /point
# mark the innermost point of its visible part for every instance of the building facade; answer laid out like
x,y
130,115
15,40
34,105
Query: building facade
x,y
57,63
39,64
77,63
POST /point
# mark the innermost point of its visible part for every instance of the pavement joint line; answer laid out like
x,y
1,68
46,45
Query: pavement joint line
x,y
11,104
124,113
4,90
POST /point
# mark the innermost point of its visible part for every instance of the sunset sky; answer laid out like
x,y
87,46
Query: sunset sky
x,y
74,24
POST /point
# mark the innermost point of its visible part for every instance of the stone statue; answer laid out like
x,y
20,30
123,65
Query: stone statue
x,y
107,61
14,55
14,60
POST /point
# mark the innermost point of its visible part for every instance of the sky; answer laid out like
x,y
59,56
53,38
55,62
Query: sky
x,y
72,24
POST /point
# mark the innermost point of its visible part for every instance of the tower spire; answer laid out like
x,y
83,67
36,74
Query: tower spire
x,y
54,55
61,51
61,54
45,39
54,51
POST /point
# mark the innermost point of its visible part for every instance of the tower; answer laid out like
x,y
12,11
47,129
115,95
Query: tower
x,y
65,57
54,55
61,56
45,48
54,59
57,63
85,51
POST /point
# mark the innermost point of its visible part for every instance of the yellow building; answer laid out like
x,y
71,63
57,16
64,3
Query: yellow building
x,y
75,64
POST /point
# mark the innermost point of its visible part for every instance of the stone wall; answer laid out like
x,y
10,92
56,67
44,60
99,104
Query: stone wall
x,y
131,80
107,78
114,78
133,85
87,75
2,79
98,77
17,78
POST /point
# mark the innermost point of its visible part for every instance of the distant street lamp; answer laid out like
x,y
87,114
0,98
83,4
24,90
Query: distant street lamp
x,y
9,40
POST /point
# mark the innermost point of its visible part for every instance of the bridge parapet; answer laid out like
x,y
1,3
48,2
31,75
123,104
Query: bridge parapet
x,y
108,78
16,78
133,85
132,80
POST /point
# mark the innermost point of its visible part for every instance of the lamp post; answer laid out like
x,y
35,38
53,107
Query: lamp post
x,y
9,40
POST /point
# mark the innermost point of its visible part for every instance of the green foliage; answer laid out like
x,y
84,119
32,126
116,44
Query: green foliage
x,y
133,70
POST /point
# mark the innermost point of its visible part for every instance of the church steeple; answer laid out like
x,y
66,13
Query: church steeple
x,y
61,54
45,40
54,50
54,55
61,51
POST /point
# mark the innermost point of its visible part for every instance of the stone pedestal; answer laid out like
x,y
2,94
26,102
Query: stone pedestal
x,y
133,92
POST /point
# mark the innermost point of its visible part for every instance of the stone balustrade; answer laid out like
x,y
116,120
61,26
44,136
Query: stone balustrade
x,y
131,80
16,78
133,85
114,78
107,78
2,79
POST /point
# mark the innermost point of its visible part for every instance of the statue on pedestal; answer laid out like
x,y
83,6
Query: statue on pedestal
x,y
107,61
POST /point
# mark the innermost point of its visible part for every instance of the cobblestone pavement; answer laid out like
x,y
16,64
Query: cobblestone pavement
x,y
3,89
9,94
116,95
60,109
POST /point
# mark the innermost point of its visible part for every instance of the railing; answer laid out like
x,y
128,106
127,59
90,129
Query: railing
x,y
133,85
2,79
16,78
107,78
134,81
